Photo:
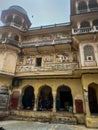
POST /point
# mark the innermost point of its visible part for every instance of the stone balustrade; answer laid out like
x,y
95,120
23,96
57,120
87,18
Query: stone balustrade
x,y
84,30
87,10
48,67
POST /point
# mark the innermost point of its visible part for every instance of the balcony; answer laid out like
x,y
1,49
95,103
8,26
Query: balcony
x,y
10,42
85,30
54,68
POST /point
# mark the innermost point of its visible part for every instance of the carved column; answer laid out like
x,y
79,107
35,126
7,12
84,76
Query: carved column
x,y
12,23
87,2
77,7
54,102
35,103
87,109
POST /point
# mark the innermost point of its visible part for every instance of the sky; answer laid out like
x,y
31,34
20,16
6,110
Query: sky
x,y
42,12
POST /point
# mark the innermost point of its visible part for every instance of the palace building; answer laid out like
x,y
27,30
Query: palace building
x,y
50,72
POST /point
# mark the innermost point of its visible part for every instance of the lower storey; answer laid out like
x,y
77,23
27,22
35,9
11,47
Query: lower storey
x,y
53,97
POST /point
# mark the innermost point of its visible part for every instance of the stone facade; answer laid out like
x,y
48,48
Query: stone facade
x,y
51,70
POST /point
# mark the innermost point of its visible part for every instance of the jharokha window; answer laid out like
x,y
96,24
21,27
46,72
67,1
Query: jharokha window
x,y
82,6
93,4
89,53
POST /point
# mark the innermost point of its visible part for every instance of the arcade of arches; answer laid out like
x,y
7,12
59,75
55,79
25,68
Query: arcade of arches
x,y
45,101
62,100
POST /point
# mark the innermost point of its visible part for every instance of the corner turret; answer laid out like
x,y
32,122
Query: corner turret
x,y
16,16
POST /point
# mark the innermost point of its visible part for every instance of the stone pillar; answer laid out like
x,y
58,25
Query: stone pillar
x,y
78,25
35,103
87,2
22,23
74,108
20,100
87,109
54,102
12,23
81,55
77,7
91,23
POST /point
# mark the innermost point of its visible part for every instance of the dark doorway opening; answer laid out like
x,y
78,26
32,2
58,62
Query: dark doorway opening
x,y
64,99
28,98
45,101
92,96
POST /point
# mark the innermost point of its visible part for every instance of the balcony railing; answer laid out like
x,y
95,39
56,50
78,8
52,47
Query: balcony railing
x,y
85,30
47,68
9,41
16,26
87,10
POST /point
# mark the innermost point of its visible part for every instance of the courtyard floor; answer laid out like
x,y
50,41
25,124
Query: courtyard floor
x,y
28,125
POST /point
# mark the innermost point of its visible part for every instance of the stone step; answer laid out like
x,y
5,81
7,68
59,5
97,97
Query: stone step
x,y
50,117
63,120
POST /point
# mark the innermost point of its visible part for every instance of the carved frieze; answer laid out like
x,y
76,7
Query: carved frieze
x,y
62,58
48,58
48,37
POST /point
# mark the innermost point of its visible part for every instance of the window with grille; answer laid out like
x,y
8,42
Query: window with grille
x,y
93,4
89,53
82,6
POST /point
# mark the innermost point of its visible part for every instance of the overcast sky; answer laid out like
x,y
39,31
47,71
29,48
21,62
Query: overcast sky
x,y
44,12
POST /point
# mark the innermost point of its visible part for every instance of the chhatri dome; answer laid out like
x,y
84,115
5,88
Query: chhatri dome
x,y
16,16
18,8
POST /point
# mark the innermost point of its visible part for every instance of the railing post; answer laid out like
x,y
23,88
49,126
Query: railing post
x,y
94,28
72,31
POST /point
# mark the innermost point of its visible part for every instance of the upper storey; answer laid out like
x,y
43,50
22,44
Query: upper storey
x,y
16,16
83,6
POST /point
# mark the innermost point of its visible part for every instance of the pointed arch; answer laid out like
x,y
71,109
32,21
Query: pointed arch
x,y
89,53
45,100
28,97
82,5
15,37
93,97
64,100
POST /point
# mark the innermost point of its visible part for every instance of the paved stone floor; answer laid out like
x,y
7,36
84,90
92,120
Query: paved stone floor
x,y
27,125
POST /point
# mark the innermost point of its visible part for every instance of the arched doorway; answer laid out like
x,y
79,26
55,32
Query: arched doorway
x,y
28,98
45,101
93,98
64,101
